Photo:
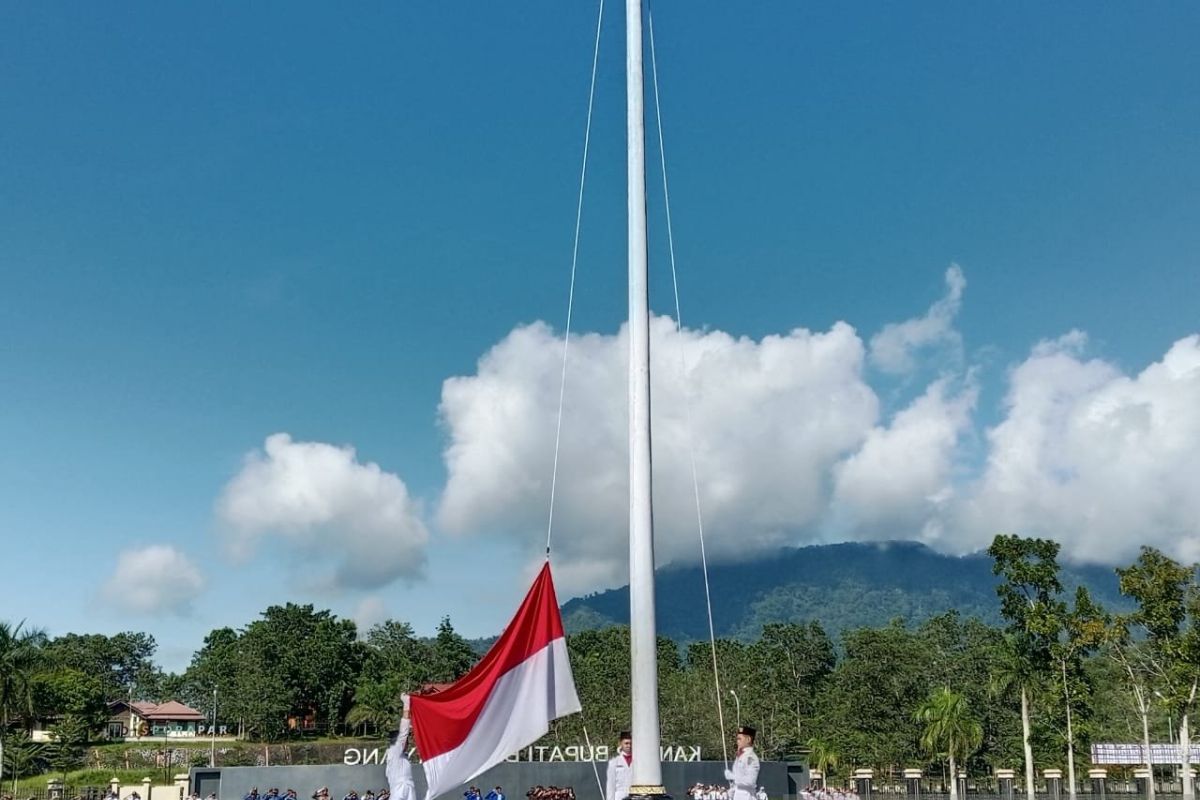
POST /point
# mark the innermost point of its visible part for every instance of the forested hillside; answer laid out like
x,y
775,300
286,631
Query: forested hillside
x,y
842,586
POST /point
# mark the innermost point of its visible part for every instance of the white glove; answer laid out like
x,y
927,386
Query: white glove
x,y
405,701
728,775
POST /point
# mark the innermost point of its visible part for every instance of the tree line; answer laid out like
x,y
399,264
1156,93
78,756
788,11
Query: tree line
x,y
947,693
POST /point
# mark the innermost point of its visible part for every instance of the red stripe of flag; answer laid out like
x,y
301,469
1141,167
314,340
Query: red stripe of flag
x,y
442,721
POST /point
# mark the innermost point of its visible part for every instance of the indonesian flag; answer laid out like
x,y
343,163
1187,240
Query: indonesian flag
x,y
505,703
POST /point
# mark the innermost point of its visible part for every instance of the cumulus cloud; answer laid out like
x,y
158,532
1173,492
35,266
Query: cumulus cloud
x,y
157,579
326,506
895,348
791,446
1099,460
898,484
772,418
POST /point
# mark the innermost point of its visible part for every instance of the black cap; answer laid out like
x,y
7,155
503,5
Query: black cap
x,y
624,735
746,730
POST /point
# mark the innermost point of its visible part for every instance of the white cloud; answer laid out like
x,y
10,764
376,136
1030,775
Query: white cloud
x,y
323,504
1099,460
791,447
369,612
157,579
895,348
771,417
898,483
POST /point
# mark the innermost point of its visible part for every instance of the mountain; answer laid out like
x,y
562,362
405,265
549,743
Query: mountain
x,y
841,585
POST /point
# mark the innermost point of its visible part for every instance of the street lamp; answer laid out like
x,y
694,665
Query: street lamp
x,y
738,705
212,732
1170,716
1170,726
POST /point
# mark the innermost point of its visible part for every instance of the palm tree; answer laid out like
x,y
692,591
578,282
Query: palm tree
x,y
376,704
821,756
950,730
20,657
1011,671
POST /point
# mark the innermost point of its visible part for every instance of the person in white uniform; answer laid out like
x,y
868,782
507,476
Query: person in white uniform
x,y
399,768
620,769
743,778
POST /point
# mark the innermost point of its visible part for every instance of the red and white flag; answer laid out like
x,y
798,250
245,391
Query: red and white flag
x,y
505,703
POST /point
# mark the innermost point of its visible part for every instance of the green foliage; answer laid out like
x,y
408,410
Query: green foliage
x,y
822,756
453,655
377,703
70,737
69,691
21,655
1029,594
949,727
843,586
122,663
1168,619
867,713
23,756
793,662
862,698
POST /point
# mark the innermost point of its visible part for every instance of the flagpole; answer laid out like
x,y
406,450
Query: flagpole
x,y
647,765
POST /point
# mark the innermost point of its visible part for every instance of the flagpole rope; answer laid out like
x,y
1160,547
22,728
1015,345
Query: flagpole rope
x,y
562,384
687,403
591,751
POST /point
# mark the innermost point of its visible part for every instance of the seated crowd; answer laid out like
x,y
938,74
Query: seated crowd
x,y
710,791
814,792
551,793
320,794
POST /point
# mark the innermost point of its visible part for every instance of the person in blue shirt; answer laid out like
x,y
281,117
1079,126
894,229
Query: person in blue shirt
x,y
495,794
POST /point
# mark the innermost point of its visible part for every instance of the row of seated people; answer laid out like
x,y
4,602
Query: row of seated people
x,y
551,793
823,793
709,791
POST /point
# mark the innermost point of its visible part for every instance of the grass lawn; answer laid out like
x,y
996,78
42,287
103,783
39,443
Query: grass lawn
x,y
83,777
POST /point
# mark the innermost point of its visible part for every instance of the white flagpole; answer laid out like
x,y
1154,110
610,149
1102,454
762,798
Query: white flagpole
x,y
647,766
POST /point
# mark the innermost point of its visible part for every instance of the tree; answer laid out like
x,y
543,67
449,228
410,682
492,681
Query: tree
x,y
21,756
394,652
123,663
214,667
821,756
453,656
1168,620
600,664
62,692
300,660
795,660
1082,630
950,730
20,658
70,736
1029,602
963,654
866,713
1134,660
377,703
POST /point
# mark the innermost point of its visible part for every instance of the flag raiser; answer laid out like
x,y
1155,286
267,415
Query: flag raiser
x,y
505,703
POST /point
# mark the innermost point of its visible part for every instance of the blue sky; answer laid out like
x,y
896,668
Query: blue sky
x,y
219,223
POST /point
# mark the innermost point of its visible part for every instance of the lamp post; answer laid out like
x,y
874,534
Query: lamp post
x,y
738,705
1170,728
1170,717
212,732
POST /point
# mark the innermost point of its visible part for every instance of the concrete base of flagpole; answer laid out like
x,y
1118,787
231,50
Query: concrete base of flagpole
x,y
648,793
